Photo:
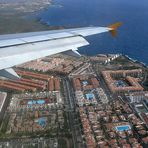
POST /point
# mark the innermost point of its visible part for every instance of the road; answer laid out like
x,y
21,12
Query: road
x,y
71,111
102,82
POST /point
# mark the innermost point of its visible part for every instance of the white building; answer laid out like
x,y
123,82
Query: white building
x,y
3,96
136,97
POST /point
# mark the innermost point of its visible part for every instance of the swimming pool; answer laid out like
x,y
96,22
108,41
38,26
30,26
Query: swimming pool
x,y
31,102
85,83
90,96
41,101
42,122
123,128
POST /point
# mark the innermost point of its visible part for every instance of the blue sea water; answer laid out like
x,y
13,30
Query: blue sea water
x,y
132,38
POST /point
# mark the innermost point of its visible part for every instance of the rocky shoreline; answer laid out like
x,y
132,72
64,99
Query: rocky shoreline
x,y
13,16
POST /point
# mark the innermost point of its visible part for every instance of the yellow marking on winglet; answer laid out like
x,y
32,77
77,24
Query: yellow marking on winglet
x,y
114,28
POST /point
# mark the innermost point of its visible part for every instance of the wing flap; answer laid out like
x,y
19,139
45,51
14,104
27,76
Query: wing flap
x,y
73,52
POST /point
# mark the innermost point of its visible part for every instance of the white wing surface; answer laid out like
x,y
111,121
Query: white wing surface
x,y
16,49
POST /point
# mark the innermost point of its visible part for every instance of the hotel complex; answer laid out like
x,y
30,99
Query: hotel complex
x,y
122,81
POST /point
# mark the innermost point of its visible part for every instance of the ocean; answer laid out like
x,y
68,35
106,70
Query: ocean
x,y
132,39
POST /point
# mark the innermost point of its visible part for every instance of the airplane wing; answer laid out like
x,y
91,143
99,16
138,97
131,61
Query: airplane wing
x,y
16,49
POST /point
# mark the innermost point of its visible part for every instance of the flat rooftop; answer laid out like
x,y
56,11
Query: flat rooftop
x,y
141,108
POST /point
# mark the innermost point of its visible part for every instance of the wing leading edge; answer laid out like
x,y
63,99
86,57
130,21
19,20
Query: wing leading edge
x,y
20,48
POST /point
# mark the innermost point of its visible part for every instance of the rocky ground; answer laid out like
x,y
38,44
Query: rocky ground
x,y
13,16
24,5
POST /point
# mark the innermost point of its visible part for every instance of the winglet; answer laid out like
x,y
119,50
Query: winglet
x,y
114,27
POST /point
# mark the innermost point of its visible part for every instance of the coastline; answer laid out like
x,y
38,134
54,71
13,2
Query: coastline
x,y
17,21
136,61
20,22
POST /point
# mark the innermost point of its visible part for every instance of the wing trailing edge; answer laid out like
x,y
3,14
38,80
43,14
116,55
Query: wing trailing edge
x,y
73,53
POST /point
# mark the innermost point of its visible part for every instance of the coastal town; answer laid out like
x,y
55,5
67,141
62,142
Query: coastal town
x,y
24,6
73,74
68,102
